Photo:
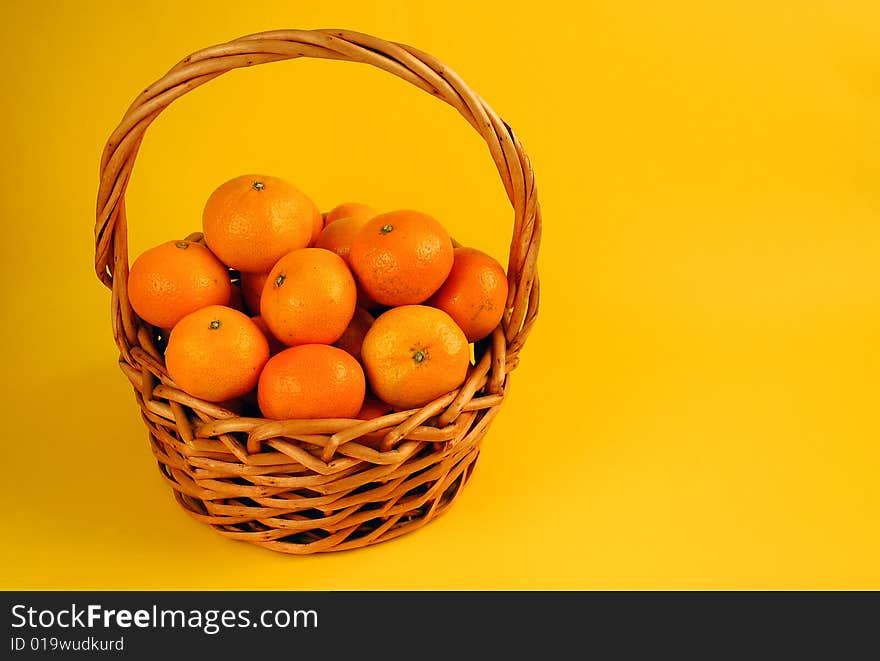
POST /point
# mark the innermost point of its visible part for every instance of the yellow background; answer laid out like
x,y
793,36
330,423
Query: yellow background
x,y
698,404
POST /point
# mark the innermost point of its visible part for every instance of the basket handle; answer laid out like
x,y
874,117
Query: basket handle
x,y
411,64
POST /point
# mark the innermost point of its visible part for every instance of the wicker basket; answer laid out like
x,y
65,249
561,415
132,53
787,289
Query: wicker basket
x,y
303,486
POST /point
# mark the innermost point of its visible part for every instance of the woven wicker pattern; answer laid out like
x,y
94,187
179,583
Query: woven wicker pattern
x,y
305,486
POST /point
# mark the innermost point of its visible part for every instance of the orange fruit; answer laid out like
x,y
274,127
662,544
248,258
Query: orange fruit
x,y
216,353
171,280
252,289
311,381
317,227
339,235
413,354
355,210
474,294
337,238
251,221
373,408
309,297
352,338
275,345
401,257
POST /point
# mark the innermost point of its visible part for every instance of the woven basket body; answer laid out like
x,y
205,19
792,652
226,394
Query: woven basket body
x,y
303,486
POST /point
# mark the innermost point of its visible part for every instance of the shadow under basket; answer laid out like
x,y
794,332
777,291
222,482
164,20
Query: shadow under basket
x,y
305,486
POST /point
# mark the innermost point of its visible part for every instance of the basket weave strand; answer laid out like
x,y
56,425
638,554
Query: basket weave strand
x,y
306,486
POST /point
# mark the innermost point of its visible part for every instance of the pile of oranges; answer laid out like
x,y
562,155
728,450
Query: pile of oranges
x,y
349,314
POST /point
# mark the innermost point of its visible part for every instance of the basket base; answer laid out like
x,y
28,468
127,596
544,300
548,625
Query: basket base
x,y
308,531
